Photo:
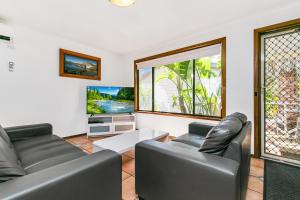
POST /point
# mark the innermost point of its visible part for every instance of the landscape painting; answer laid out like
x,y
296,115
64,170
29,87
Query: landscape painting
x,y
77,65
110,100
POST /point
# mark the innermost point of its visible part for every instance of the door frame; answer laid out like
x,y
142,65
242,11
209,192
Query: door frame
x,y
257,78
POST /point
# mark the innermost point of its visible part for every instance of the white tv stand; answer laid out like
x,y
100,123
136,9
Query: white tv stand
x,y
110,124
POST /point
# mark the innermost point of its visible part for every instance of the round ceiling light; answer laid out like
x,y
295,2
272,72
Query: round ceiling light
x,y
122,3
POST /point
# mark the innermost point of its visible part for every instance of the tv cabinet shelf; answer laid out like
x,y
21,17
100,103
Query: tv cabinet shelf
x,y
110,124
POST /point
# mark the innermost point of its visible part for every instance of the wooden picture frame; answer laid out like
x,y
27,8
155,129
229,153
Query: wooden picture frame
x,y
77,65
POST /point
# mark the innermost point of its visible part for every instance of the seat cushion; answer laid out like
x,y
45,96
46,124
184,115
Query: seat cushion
x,y
45,151
24,145
10,166
54,160
4,135
191,139
7,147
183,145
220,136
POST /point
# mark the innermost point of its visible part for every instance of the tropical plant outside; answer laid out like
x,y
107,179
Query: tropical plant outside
x,y
176,83
208,85
145,89
174,91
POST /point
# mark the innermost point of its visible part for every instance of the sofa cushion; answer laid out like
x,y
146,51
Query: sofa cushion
x,y
183,146
8,151
24,145
191,139
10,166
242,117
220,136
42,152
54,160
4,135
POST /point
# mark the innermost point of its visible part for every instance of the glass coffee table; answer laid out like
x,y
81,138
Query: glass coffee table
x,y
127,141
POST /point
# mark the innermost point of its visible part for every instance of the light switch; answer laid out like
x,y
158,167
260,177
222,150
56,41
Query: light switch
x,y
11,66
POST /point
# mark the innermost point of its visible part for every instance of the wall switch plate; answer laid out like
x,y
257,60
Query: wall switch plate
x,y
11,66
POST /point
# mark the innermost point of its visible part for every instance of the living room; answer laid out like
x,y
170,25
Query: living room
x,y
183,66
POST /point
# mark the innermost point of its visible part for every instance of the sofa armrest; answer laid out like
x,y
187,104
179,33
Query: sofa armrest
x,y
95,176
200,128
166,172
18,133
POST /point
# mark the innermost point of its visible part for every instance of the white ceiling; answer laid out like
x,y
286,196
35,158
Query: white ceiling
x,y
124,30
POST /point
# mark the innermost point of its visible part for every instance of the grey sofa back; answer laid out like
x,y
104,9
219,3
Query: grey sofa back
x,y
239,150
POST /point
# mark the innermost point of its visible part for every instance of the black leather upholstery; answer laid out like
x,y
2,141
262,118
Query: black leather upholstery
x,y
200,128
18,133
38,141
95,176
7,149
4,136
45,151
10,166
239,150
242,117
51,168
220,136
191,139
185,173
183,145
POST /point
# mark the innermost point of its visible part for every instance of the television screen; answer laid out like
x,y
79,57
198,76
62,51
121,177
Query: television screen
x,y
110,100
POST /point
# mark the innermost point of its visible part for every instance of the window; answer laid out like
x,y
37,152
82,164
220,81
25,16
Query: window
x,y
173,88
187,81
208,86
145,89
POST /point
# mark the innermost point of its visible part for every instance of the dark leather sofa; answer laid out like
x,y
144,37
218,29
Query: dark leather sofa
x,y
208,163
37,165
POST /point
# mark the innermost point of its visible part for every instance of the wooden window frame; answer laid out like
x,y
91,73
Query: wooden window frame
x,y
257,76
221,41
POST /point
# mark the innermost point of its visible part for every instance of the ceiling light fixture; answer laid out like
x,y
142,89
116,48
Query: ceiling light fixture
x,y
122,3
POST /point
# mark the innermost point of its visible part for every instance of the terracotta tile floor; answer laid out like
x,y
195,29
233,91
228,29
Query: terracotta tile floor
x,y
255,185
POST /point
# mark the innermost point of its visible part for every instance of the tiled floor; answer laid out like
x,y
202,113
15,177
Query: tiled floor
x,y
255,186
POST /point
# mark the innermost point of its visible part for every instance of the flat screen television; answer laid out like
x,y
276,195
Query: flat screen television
x,y
110,100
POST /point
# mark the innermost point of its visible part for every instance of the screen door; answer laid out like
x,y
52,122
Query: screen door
x,y
280,95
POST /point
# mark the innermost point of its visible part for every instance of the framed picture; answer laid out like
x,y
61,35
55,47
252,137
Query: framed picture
x,y
78,65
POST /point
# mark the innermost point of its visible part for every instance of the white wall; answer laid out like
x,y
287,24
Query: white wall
x,y
35,92
239,90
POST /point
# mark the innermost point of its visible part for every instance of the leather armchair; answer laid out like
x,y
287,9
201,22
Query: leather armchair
x,y
166,172
177,170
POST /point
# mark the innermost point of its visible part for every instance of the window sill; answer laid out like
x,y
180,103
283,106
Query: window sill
x,y
181,115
